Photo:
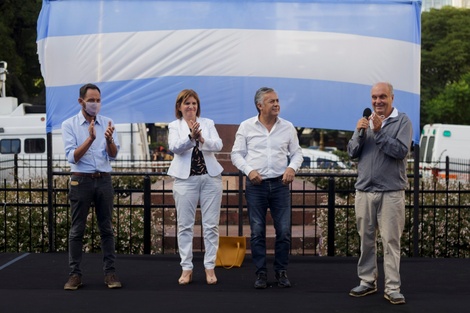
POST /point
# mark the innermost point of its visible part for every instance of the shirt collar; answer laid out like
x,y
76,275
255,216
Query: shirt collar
x,y
82,119
392,115
258,121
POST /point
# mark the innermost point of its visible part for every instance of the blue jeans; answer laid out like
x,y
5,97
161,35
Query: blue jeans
x,y
82,193
272,194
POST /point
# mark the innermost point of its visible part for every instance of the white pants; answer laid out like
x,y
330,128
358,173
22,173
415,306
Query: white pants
x,y
385,212
187,193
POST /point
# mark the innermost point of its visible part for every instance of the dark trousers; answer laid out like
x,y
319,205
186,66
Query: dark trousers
x,y
82,193
272,194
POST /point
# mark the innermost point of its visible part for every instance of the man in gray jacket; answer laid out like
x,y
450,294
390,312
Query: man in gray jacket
x,y
381,143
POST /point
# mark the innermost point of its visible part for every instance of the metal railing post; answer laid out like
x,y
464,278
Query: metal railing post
x,y
147,214
416,202
331,216
447,169
240,203
50,206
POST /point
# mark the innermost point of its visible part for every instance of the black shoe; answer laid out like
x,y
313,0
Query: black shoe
x,y
261,281
282,280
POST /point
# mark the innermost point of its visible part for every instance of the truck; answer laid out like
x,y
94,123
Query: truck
x,y
23,142
439,141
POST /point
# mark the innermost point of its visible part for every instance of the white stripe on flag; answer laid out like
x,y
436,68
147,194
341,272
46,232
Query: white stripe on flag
x,y
229,52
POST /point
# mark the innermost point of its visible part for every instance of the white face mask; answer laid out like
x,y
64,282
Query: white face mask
x,y
92,108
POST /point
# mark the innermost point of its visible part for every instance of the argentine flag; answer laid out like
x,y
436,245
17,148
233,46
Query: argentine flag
x,y
322,57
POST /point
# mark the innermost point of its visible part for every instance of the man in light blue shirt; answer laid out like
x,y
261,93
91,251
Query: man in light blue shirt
x,y
90,144
267,151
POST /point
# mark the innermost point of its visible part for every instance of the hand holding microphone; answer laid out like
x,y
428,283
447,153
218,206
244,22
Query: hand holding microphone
x,y
367,112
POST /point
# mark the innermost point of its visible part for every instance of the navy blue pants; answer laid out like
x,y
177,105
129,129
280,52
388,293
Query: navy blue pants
x,y
272,194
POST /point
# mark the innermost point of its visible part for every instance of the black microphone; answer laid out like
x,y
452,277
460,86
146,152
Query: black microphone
x,y
367,112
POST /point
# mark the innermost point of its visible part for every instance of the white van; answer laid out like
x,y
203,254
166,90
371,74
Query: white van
x,y
439,141
317,159
23,133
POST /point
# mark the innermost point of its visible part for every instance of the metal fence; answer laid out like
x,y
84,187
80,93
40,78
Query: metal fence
x,y
35,214
448,169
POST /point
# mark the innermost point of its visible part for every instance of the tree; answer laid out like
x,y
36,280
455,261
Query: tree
x,y
451,106
445,57
18,33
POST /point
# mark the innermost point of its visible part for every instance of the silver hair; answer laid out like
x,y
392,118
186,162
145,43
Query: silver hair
x,y
389,85
259,95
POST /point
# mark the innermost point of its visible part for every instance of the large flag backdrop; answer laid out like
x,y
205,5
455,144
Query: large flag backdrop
x,y
321,56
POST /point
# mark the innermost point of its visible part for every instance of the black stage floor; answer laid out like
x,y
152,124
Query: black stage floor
x,y
34,283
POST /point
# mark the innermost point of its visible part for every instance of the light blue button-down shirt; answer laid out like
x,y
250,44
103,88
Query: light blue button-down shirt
x,y
75,132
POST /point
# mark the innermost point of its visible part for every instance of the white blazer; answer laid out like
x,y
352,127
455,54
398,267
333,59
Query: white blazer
x,y
182,147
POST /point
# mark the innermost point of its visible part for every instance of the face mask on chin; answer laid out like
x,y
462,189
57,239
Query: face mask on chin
x,y
92,108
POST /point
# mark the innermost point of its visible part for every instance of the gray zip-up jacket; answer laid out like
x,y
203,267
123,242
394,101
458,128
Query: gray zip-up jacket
x,y
382,155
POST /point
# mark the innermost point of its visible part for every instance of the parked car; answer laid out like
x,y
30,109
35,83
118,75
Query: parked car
x,y
317,159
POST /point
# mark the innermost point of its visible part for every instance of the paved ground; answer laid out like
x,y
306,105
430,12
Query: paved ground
x,y
34,283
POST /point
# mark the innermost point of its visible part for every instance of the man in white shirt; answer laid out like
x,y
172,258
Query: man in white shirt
x,y
267,151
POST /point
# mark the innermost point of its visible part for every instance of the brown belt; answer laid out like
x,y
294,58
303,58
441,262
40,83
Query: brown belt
x,y
92,175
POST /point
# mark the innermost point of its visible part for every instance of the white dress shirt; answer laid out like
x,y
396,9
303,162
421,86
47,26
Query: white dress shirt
x,y
269,153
